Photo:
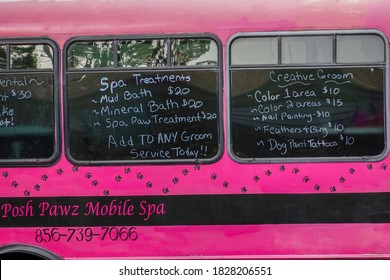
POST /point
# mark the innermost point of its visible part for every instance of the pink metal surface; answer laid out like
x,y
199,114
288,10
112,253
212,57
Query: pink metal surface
x,y
61,20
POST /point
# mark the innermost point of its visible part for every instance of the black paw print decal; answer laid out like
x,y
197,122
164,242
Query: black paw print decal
x,y
332,189
26,193
14,184
75,168
184,172
225,184
268,173
149,185
244,190
118,178
317,187
384,166
295,170
213,176
256,178
351,171
165,190
341,179
306,179
106,192
45,177
140,176
37,187
5,174
60,171
95,183
127,170
282,168
175,180
197,167
369,166
88,175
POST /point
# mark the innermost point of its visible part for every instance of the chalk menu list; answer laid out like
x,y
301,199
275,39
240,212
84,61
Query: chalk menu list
x,y
143,116
306,113
26,116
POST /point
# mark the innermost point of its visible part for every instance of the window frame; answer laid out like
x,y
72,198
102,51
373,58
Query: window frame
x,y
218,68
280,66
56,109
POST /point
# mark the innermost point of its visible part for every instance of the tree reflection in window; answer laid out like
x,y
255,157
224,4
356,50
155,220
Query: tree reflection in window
x,y
142,53
194,52
3,57
31,57
91,55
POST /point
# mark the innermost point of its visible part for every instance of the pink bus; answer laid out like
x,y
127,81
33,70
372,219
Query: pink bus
x,y
194,129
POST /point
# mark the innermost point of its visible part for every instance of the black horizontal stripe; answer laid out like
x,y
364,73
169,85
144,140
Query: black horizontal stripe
x,y
247,209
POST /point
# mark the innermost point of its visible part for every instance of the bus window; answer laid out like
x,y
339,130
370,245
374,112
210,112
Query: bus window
x,y
3,58
31,57
142,53
307,49
325,100
29,102
360,49
194,52
147,108
91,54
251,51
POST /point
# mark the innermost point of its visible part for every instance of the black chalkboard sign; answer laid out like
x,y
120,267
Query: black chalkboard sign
x,y
143,116
27,117
307,113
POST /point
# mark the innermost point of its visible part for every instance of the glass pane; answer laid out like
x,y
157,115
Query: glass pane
x,y
194,52
31,57
360,48
91,54
130,123
254,51
307,49
307,112
27,121
3,59
142,53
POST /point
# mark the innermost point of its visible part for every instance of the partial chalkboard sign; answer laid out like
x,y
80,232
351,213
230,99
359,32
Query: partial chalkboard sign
x,y
334,113
27,116
146,116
